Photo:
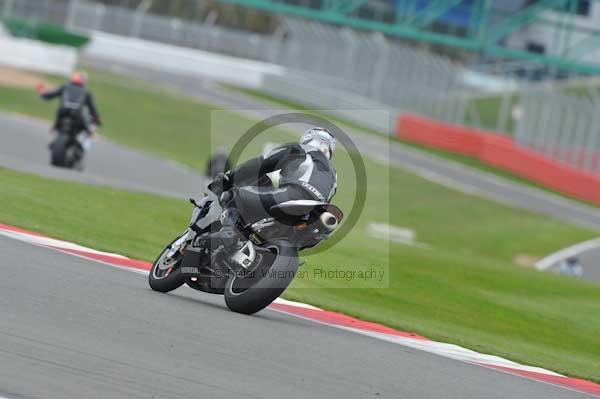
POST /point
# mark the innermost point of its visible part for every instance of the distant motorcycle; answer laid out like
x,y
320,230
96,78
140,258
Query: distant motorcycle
x,y
262,263
218,163
69,147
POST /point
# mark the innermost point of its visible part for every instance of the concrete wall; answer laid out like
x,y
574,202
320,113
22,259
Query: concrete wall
x,y
180,60
36,56
501,152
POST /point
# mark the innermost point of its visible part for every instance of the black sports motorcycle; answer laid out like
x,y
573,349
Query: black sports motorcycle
x,y
67,150
259,267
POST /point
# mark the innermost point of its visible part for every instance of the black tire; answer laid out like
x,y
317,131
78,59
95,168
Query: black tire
x,y
78,160
79,166
70,157
168,283
58,155
248,296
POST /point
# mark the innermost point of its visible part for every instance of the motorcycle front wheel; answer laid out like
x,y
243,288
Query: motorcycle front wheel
x,y
250,291
165,275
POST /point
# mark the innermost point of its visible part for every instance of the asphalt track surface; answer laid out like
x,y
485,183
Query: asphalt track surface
x,y
23,146
76,328
591,265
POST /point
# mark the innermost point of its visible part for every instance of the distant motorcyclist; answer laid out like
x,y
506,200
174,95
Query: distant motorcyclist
x,y
74,99
306,173
218,163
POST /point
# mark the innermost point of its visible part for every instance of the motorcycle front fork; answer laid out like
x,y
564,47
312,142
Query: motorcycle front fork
x,y
178,246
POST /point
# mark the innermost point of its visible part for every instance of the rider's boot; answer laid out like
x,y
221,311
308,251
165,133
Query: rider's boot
x,y
224,239
227,236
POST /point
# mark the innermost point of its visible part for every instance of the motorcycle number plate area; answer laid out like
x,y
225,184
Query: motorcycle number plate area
x,y
191,262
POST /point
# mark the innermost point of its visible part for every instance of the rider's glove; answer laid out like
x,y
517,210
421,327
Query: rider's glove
x,y
222,183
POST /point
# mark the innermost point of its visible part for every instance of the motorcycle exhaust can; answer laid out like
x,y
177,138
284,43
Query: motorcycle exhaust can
x,y
329,220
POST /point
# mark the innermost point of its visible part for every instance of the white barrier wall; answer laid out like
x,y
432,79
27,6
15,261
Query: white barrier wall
x,y
180,60
37,56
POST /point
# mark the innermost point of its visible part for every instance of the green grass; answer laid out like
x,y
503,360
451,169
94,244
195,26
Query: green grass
x,y
133,224
141,116
463,288
134,117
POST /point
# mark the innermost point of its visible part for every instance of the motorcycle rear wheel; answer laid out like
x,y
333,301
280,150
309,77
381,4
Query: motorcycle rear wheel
x,y
251,292
58,149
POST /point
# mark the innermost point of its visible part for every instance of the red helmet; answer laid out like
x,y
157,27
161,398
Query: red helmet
x,y
78,78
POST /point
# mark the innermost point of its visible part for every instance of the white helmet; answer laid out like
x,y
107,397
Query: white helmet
x,y
321,139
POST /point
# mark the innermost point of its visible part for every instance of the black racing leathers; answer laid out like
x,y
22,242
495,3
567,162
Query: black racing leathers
x,y
305,174
303,167
73,100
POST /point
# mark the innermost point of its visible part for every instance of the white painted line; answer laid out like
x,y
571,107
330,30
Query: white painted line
x,y
296,304
50,242
400,235
453,352
566,253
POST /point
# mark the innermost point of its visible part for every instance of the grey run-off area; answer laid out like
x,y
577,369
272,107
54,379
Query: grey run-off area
x,y
24,147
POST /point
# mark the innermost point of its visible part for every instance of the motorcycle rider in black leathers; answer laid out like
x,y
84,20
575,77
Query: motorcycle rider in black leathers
x,y
74,98
306,173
